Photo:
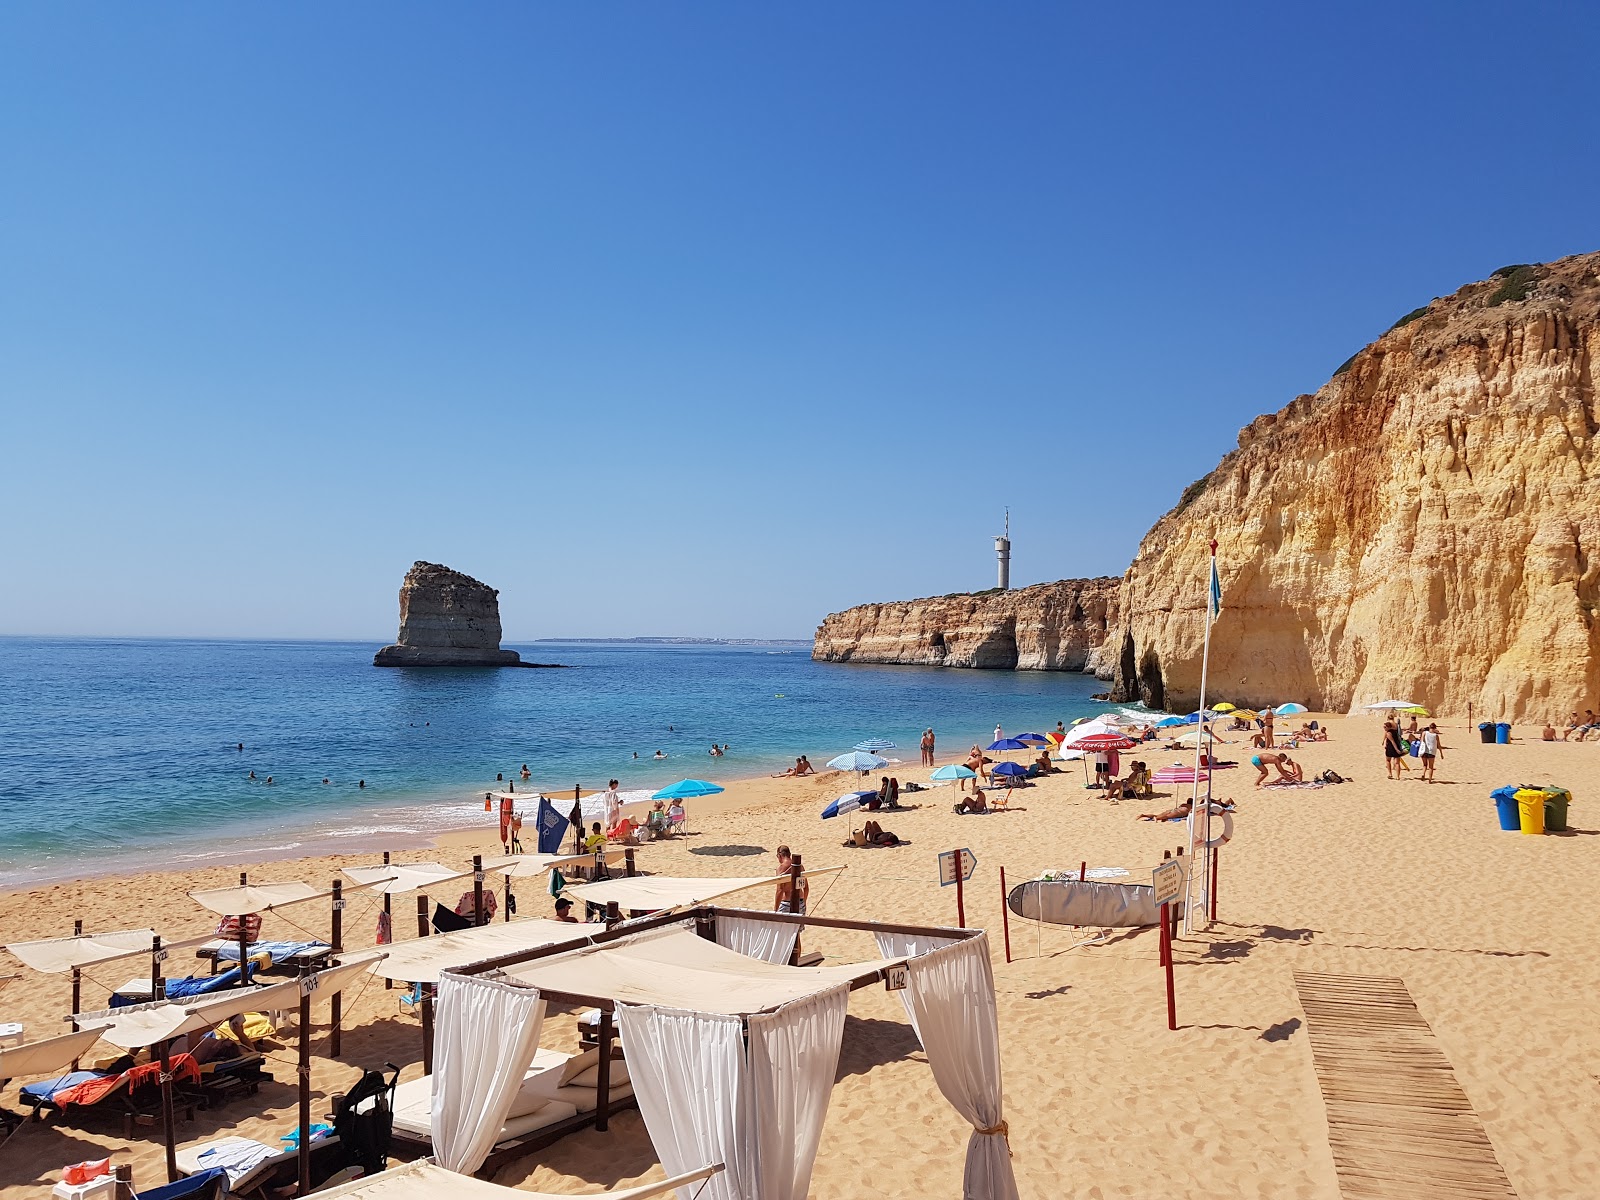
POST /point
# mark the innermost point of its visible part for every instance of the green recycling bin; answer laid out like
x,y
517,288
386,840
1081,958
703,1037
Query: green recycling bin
x,y
1555,809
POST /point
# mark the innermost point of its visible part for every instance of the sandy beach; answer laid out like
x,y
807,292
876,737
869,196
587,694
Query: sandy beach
x,y
1372,877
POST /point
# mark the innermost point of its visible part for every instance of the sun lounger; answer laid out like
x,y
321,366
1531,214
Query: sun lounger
x,y
127,1096
559,1092
253,1166
292,955
137,990
207,1185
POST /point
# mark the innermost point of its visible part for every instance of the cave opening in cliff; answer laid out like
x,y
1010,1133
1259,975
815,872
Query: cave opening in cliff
x,y
1152,689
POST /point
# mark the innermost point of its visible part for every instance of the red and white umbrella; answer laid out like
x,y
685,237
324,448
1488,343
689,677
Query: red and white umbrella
x,y
1098,743
1177,773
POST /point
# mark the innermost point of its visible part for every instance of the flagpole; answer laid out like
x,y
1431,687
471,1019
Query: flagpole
x,y
1200,810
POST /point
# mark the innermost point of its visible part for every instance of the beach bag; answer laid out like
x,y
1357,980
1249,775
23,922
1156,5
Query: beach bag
x,y
1331,776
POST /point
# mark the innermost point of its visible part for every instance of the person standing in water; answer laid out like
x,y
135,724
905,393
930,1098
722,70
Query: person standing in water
x,y
927,748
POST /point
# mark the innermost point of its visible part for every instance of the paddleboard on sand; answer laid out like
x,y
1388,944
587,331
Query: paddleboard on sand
x,y
1085,902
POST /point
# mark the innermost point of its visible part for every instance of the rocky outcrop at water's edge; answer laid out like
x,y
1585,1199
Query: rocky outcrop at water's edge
x,y
447,619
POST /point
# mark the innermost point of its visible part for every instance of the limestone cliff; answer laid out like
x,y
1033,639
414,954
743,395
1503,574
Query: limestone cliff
x,y
447,619
1424,527
1047,627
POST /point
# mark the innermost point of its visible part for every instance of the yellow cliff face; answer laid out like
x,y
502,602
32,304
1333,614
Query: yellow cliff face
x,y
1425,527
1047,627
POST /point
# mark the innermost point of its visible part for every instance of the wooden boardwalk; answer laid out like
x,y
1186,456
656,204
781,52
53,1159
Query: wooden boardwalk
x,y
1399,1124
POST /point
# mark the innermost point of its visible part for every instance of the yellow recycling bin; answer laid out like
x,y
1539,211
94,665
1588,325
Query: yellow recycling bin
x,y
1530,809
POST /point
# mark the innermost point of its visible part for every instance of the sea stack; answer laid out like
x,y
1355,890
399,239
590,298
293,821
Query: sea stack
x,y
447,619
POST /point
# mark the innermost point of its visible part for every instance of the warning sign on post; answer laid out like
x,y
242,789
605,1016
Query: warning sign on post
x,y
1167,879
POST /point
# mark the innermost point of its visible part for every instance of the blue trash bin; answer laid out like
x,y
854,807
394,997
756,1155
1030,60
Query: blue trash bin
x,y
1505,803
1502,733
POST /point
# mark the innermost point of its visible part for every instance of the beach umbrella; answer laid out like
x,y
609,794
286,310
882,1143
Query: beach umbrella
x,y
1168,722
1032,739
1416,710
857,760
1074,739
1006,744
873,745
1290,709
1098,743
1178,773
1081,720
1195,738
1392,704
1009,769
1225,707
953,772
688,789
848,802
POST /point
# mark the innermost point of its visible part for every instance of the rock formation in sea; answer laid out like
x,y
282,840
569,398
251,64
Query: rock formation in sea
x,y
447,619
1425,527
1047,627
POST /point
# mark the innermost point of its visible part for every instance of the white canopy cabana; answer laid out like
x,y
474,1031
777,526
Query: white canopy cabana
x,y
46,1057
422,1180
421,960
405,877
57,956
139,1025
730,1058
524,866
244,899
655,892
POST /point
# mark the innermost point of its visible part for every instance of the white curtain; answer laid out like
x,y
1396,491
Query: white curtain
x,y
687,1071
951,998
485,1036
909,945
706,1098
770,941
794,1054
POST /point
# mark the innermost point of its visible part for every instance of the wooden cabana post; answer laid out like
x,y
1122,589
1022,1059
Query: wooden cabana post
x,y
303,1071
388,911
336,938
602,1111
168,1115
477,889
157,990
77,987
424,998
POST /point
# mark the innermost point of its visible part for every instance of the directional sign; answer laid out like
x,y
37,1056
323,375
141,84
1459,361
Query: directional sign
x,y
947,866
1168,881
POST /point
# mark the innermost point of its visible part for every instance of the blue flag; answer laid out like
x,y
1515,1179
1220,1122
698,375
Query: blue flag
x,y
1216,590
552,827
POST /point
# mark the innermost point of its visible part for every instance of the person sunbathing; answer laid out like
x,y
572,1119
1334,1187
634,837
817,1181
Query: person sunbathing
x,y
877,835
1172,814
1043,762
975,803
1120,789
1307,733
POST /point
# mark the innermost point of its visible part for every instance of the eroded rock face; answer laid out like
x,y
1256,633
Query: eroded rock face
x,y
447,619
1047,627
1425,527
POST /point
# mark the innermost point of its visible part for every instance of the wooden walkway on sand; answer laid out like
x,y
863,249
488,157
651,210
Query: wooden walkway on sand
x,y
1399,1124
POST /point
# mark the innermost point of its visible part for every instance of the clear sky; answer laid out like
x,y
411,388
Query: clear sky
x,y
707,318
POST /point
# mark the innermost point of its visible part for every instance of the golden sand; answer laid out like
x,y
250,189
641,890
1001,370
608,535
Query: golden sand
x,y
1490,931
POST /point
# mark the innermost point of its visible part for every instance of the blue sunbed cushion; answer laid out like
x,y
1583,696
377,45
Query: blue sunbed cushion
x,y
46,1088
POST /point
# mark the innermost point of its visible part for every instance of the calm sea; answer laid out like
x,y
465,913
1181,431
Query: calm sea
x,y
129,747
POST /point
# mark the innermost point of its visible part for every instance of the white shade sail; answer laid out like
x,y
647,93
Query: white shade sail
x,y
244,899
524,866
48,1057
422,959
423,1180
674,968
146,1024
404,877
655,892
59,955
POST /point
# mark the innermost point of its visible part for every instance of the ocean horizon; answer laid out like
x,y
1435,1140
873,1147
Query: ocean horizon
x,y
128,747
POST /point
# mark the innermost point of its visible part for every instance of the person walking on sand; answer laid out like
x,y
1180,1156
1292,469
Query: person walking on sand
x,y
1267,718
997,732
1432,749
613,804
927,746
1391,747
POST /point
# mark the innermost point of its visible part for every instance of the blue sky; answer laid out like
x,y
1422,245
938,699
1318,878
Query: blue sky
x,y
706,319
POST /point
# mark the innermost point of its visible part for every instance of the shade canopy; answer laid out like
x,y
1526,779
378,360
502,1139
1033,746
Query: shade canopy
x,y
1289,710
424,1180
1097,742
1168,722
1196,736
1032,739
1007,744
47,1057
404,877
1008,769
688,789
141,1025
526,866
676,968
857,760
1224,707
59,955
244,899
1089,729
1180,774
654,892
953,771
849,802
420,960
873,745
1393,704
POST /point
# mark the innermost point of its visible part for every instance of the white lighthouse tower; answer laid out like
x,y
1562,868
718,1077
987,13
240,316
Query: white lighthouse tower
x,y
1002,552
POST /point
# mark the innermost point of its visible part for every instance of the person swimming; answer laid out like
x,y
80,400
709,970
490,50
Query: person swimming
x,y
658,754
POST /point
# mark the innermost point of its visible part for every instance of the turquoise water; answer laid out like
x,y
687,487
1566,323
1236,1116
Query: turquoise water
x,y
130,746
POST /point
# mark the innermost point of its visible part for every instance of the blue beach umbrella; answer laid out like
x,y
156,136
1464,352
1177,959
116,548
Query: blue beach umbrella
x,y
1291,709
873,745
1168,722
1031,739
1006,744
1009,768
857,761
688,789
953,772
848,802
